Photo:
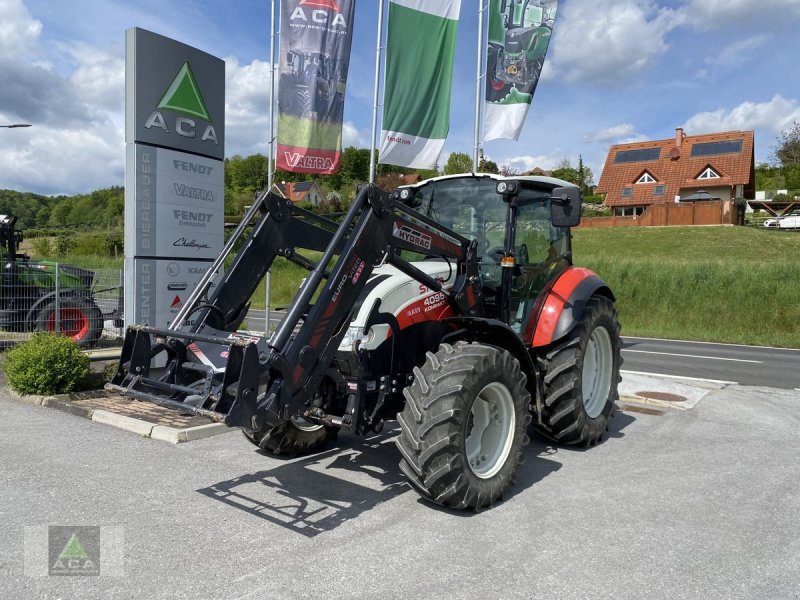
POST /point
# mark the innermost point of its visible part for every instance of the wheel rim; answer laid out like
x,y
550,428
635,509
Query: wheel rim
x,y
73,323
305,425
490,430
598,362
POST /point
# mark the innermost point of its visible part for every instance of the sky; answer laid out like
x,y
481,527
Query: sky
x,y
617,71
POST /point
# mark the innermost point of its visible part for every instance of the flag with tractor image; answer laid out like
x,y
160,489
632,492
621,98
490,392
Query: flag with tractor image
x,y
315,41
519,34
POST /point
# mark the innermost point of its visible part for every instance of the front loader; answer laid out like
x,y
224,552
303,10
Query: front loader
x,y
451,306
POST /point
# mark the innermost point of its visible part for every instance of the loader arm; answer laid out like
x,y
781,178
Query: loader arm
x,y
257,381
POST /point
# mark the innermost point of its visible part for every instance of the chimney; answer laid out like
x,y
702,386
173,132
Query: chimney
x,y
679,135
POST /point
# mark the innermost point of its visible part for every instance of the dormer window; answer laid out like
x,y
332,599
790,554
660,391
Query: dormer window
x,y
646,178
709,173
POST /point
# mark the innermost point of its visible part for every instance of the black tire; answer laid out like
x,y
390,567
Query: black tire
x,y
291,439
568,417
81,320
438,418
303,104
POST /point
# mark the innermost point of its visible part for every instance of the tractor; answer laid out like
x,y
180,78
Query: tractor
x,y
451,306
34,298
517,49
311,83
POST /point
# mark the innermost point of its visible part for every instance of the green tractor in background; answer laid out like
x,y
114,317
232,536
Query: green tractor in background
x,y
311,84
518,43
30,300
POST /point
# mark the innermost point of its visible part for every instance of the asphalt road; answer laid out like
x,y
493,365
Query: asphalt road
x,y
747,365
691,504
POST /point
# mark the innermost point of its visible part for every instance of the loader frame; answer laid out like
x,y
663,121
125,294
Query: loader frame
x,y
210,370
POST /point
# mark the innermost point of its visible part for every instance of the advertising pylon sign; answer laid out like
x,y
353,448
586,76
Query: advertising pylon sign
x,y
174,179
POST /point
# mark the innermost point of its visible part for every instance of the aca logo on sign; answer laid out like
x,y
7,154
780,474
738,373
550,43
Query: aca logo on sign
x,y
183,97
319,11
74,550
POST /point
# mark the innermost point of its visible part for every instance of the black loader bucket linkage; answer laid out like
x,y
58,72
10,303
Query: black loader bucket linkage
x,y
208,369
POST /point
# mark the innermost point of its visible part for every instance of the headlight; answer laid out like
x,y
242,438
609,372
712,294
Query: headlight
x,y
351,335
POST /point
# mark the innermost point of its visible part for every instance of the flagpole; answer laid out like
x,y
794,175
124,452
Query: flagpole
x,y
478,79
268,282
375,94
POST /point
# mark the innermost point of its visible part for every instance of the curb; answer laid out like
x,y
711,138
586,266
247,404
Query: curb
x,y
686,405
173,435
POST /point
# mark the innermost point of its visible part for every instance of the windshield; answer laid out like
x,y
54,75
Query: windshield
x,y
469,206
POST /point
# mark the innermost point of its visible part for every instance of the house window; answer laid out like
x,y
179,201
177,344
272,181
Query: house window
x,y
627,192
628,211
658,190
709,173
646,178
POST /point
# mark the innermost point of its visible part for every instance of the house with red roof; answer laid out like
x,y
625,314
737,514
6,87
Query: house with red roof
x,y
688,168
301,191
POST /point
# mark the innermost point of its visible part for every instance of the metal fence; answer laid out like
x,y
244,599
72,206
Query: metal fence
x,y
83,304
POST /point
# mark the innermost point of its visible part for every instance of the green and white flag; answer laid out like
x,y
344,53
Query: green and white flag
x,y
420,50
519,34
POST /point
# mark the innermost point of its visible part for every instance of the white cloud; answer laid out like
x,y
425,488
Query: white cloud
x,y
53,160
776,115
99,79
610,45
527,162
351,136
611,134
711,14
247,107
733,55
19,31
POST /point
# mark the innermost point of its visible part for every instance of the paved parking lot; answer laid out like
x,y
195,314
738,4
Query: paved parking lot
x,y
690,504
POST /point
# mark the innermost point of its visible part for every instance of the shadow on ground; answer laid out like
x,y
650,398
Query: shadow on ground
x,y
318,493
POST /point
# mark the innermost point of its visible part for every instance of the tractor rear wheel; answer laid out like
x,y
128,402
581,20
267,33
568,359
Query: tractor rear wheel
x,y
298,436
78,318
581,373
463,426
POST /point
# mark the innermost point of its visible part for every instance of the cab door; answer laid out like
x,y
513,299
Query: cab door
x,y
541,251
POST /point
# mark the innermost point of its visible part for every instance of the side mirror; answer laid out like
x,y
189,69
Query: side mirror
x,y
565,207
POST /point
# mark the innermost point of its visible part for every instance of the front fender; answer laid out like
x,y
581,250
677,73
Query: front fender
x,y
496,333
563,305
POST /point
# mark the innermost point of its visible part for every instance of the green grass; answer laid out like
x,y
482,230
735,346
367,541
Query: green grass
x,y
295,131
724,284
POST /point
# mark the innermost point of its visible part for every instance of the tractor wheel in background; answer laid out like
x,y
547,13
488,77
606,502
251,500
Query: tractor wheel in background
x,y
78,318
581,373
463,425
302,106
298,436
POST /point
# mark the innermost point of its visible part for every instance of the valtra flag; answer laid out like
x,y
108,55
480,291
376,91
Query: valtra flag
x,y
519,34
315,53
419,74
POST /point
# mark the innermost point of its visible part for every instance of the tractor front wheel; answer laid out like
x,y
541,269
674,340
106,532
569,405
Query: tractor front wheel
x,y
463,426
581,373
77,318
298,436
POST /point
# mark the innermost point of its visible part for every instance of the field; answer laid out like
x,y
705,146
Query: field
x,y
725,284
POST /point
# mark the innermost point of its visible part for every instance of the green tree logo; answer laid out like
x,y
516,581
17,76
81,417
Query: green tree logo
x,y
73,550
183,95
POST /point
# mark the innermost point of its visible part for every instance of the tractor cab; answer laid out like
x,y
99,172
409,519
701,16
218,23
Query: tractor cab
x,y
519,225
